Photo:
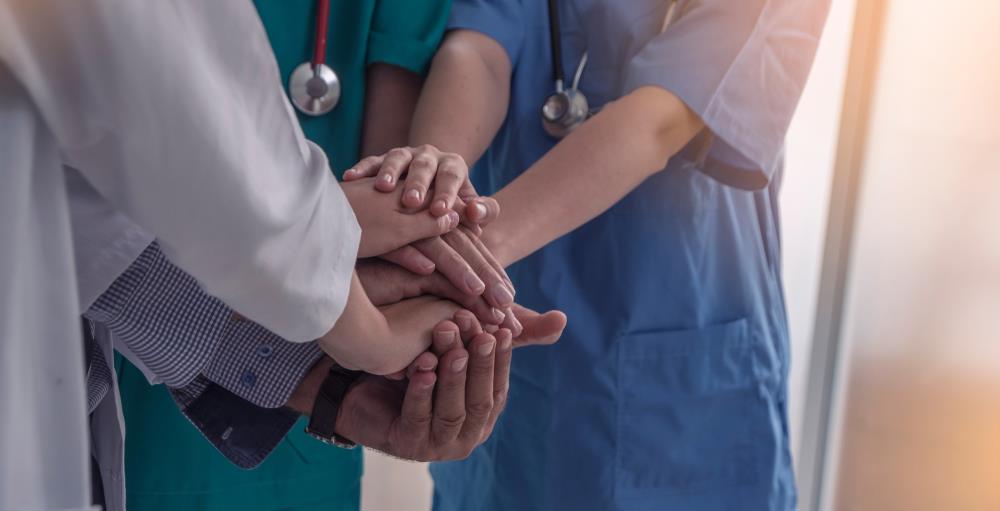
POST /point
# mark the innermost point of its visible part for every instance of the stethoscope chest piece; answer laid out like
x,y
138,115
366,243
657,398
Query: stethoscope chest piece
x,y
563,111
314,88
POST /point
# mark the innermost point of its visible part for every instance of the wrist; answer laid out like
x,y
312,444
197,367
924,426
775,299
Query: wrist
x,y
302,399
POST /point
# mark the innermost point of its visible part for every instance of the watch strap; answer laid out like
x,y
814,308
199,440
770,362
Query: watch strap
x,y
323,419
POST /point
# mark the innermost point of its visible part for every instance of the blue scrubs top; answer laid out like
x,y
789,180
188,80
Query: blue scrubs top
x,y
668,389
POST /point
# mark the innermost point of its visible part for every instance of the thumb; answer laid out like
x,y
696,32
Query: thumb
x,y
538,328
423,225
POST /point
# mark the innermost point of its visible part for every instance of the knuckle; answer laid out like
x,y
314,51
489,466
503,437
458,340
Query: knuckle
x,y
418,421
450,420
398,152
451,172
426,148
480,408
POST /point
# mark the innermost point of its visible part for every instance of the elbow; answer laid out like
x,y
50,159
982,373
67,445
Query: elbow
x,y
468,49
668,123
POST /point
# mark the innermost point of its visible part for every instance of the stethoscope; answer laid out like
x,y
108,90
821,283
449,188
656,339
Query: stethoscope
x,y
566,109
314,87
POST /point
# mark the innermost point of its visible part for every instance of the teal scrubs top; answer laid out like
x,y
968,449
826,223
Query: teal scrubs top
x,y
169,466
668,389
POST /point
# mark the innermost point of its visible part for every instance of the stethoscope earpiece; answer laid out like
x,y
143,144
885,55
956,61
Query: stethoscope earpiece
x,y
314,86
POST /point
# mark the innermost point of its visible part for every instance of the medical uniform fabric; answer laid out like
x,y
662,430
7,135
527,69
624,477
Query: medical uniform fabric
x,y
668,389
166,108
169,464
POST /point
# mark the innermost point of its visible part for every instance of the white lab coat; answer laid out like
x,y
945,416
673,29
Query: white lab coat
x,y
173,111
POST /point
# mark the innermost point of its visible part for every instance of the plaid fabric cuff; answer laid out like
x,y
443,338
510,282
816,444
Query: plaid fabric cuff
x,y
259,366
164,317
244,433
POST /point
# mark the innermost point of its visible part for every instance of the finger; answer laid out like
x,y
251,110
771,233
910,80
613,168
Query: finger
x,y
421,226
417,410
497,292
451,265
367,167
410,258
482,210
461,207
510,322
501,376
396,161
437,285
492,260
449,401
538,328
479,387
422,171
427,361
468,327
452,172
444,338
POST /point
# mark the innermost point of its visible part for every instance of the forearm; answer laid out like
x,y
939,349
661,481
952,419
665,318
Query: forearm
x,y
590,170
391,95
464,100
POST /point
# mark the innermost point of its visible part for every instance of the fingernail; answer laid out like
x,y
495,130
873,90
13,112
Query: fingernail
x,y
464,322
453,219
425,367
350,171
480,210
474,284
459,364
498,315
501,296
386,178
486,349
447,338
413,194
505,343
440,204
427,267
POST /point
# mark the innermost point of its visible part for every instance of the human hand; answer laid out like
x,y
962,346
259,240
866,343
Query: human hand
x,y
433,416
386,225
422,166
383,340
387,283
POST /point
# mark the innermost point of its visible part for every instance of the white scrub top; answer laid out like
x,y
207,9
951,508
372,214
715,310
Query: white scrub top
x,y
174,112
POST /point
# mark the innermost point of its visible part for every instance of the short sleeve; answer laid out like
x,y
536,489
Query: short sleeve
x,y
500,20
741,66
406,33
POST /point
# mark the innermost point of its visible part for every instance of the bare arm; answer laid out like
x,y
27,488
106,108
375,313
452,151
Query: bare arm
x,y
603,160
391,94
465,97
464,103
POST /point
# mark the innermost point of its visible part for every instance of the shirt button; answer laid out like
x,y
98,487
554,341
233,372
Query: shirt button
x,y
265,350
248,378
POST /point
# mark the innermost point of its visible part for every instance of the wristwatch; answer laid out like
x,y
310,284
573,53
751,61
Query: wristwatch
x,y
323,419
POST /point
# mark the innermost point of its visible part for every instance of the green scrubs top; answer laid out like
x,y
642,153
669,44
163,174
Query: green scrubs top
x,y
169,466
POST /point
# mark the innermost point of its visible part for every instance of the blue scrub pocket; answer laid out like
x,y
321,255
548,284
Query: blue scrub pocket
x,y
692,416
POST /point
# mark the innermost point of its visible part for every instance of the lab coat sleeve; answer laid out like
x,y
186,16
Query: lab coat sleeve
x,y
173,111
406,33
501,20
741,66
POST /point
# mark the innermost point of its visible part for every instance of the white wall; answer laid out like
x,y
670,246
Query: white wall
x,y
392,484
810,153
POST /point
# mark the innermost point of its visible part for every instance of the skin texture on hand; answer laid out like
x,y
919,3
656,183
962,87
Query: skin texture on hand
x,y
386,225
441,413
423,167
390,339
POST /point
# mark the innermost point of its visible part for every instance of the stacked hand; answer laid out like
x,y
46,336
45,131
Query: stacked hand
x,y
423,270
